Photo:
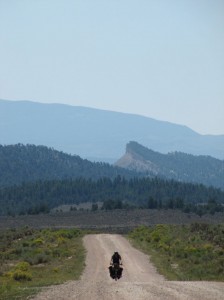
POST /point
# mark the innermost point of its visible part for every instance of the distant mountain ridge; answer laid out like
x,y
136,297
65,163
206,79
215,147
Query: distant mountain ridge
x,y
95,133
178,166
29,163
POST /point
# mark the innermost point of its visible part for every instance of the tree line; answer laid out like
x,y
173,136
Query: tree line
x,y
152,193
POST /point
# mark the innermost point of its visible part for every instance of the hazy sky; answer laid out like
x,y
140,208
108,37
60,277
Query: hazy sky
x,y
159,58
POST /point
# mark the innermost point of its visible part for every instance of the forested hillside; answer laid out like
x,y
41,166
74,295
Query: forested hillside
x,y
176,165
35,179
25,163
41,196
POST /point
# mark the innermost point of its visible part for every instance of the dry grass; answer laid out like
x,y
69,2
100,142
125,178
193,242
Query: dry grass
x,y
116,220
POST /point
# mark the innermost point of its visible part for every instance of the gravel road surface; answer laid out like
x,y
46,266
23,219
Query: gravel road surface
x,y
140,280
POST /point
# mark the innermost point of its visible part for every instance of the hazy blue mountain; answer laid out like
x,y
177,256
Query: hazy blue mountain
x,y
97,134
176,165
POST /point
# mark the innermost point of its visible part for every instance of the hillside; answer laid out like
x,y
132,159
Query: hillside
x,y
34,179
176,165
97,134
26,163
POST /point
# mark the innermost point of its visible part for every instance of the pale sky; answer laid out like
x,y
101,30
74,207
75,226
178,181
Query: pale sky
x,y
159,58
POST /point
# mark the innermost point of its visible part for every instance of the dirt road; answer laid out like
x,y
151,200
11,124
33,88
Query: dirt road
x,y
140,280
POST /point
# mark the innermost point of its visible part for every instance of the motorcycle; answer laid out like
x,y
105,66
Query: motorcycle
x,y
115,271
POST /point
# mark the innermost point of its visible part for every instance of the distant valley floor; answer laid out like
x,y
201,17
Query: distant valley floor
x,y
111,221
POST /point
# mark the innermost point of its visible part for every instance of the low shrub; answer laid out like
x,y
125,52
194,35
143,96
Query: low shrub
x,y
35,258
38,242
21,275
197,250
23,266
21,272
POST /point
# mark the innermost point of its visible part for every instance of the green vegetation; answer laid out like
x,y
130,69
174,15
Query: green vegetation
x,y
181,166
211,207
30,259
41,196
194,252
28,163
35,179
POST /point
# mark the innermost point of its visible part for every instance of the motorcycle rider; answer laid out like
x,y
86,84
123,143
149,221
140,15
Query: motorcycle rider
x,y
115,259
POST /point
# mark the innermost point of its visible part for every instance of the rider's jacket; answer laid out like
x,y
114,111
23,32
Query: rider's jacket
x,y
116,258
